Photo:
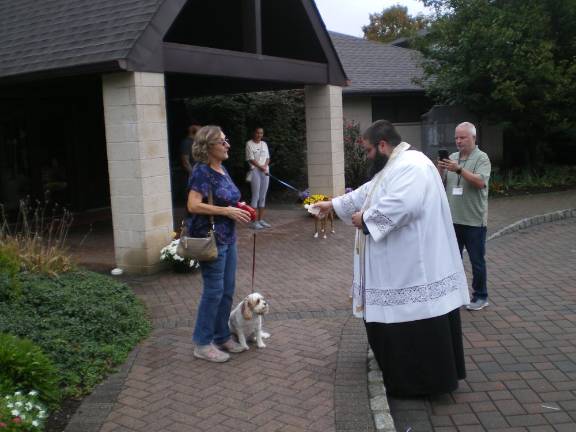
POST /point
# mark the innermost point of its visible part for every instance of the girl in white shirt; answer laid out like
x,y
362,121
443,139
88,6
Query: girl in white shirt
x,y
258,157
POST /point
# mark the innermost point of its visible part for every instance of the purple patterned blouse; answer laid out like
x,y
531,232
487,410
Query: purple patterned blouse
x,y
224,193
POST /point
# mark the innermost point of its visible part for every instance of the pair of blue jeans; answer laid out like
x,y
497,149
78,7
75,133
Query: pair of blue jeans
x,y
219,279
474,240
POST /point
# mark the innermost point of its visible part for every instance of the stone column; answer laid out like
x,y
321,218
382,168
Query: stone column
x,y
138,166
325,141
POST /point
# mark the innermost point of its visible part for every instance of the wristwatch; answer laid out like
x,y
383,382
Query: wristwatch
x,y
459,170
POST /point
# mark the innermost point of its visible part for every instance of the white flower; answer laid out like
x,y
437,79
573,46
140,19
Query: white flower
x,y
18,404
33,393
29,406
10,405
42,414
23,416
18,393
35,423
15,412
169,253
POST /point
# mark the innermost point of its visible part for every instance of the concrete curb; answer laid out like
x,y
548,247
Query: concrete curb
x,y
383,420
352,404
377,392
533,221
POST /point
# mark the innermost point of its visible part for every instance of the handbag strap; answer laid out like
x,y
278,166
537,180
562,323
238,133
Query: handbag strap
x,y
211,202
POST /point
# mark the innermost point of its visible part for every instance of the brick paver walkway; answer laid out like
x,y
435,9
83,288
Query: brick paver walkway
x,y
294,384
312,376
521,350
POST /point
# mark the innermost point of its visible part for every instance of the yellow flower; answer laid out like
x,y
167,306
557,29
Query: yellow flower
x,y
313,199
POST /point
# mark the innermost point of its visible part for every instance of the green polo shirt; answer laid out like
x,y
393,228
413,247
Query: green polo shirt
x,y
470,208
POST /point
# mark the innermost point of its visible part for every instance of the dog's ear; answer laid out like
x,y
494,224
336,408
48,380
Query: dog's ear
x,y
246,310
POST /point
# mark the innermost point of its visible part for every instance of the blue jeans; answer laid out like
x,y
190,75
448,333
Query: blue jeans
x,y
219,278
474,240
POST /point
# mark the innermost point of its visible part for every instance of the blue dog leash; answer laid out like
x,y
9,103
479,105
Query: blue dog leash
x,y
282,182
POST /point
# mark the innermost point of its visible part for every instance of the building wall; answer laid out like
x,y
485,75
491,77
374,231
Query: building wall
x,y
491,141
359,109
411,133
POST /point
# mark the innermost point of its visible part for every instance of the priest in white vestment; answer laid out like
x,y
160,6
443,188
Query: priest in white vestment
x,y
409,282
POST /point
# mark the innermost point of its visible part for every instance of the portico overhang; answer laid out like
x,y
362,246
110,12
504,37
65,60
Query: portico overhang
x,y
145,54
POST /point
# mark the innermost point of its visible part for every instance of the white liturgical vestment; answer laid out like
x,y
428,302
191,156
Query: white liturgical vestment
x,y
408,267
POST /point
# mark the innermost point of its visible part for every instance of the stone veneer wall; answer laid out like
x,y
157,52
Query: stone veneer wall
x,y
139,169
324,137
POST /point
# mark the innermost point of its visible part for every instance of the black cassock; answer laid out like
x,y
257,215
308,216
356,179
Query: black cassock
x,y
419,358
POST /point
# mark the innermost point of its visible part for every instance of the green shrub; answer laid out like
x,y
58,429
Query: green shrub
x,y
533,180
280,113
85,322
355,165
9,269
24,367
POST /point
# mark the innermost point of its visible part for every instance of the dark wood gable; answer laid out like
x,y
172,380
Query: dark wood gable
x,y
271,40
253,39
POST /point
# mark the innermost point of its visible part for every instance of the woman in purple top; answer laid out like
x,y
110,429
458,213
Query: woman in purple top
x,y
211,333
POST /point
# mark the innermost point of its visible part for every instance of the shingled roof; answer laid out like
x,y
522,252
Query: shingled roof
x,y
55,34
374,67
49,38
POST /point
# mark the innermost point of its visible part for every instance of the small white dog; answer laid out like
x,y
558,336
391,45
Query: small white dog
x,y
246,320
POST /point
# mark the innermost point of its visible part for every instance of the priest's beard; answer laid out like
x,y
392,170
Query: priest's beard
x,y
376,165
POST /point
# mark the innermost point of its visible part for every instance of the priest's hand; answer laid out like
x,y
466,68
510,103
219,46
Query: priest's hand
x,y
357,219
325,208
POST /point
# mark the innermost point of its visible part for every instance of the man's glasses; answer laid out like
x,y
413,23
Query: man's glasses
x,y
223,142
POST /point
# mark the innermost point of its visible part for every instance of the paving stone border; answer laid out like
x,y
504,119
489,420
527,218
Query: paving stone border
x,y
95,408
383,420
535,220
378,400
352,403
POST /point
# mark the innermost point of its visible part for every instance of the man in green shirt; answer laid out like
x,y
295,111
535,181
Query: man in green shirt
x,y
466,174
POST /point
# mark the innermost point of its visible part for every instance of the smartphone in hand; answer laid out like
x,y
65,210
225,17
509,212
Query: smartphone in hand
x,y
443,154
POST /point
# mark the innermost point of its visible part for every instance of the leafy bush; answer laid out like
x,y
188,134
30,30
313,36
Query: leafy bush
x,y
282,116
524,180
24,367
85,322
38,238
355,165
21,412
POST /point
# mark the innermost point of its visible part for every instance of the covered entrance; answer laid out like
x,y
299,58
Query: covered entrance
x,y
120,67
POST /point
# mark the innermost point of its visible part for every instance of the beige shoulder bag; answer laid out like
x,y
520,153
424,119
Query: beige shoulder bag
x,y
198,248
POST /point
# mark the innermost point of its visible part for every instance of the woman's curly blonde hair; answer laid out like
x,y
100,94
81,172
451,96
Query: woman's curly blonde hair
x,y
206,137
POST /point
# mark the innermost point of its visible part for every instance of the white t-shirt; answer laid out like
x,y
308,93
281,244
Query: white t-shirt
x,y
257,152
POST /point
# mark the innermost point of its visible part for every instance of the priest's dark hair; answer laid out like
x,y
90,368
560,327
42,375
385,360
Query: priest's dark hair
x,y
382,130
